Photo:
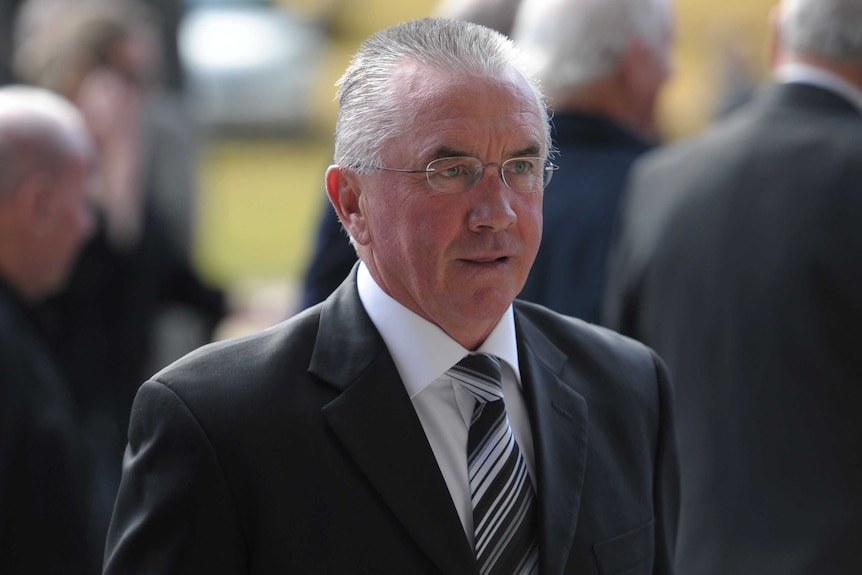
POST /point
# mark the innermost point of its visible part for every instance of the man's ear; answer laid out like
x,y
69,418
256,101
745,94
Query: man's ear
x,y
344,193
630,69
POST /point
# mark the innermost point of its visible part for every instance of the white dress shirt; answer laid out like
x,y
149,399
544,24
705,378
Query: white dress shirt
x,y
422,353
805,74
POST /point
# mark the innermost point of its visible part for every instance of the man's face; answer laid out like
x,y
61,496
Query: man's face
x,y
457,260
72,220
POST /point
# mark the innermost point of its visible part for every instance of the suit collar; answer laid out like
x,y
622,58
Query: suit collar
x,y
351,356
558,416
347,342
422,351
821,78
798,95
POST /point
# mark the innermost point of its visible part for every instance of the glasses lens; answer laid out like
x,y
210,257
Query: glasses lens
x,y
453,175
526,174
458,175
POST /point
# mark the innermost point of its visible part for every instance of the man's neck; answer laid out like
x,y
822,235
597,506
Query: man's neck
x,y
849,71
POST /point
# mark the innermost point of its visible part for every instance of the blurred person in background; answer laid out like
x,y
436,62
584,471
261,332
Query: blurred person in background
x,y
8,8
103,55
46,165
601,64
498,15
739,263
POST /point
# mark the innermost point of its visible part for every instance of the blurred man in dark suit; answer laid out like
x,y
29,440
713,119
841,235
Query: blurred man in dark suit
x,y
602,66
739,262
46,162
134,274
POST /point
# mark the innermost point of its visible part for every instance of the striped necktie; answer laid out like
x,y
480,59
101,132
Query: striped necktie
x,y
504,508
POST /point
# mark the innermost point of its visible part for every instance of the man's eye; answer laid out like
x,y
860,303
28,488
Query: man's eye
x,y
521,167
453,171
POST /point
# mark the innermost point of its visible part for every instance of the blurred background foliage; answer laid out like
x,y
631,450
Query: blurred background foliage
x,y
260,195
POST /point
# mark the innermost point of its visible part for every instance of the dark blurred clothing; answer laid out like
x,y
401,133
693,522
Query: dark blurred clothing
x,y
170,14
580,211
101,328
8,10
332,258
172,159
45,527
739,263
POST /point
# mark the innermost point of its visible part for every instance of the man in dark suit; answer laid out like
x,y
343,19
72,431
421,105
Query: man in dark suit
x,y
602,66
739,263
46,159
337,441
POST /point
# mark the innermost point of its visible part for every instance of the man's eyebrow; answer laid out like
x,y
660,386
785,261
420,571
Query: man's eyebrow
x,y
447,152
531,150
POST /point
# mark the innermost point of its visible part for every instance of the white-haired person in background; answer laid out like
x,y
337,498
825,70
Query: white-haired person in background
x,y
739,263
46,166
601,64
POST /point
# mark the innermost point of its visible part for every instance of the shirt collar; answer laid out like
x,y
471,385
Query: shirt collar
x,y
806,74
422,351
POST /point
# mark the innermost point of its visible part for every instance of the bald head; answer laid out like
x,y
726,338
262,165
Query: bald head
x,y
46,156
38,131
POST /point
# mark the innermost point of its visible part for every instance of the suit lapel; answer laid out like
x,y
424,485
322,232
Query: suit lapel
x,y
558,416
374,420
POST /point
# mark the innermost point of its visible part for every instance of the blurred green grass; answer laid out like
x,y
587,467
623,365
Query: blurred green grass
x,y
258,205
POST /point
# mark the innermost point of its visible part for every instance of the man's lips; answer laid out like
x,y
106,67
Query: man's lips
x,y
487,259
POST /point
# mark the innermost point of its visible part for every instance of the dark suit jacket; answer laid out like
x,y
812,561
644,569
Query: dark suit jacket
x,y
580,211
739,263
297,450
44,499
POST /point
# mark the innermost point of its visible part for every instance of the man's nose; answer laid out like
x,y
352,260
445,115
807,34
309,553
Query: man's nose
x,y
492,206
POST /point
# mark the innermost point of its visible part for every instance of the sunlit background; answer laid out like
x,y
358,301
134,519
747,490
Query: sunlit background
x,y
261,79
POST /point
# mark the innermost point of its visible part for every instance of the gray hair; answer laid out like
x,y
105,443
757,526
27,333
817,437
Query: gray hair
x,y
571,43
39,130
826,28
369,111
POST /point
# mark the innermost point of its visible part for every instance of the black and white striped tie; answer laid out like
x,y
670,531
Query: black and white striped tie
x,y
504,508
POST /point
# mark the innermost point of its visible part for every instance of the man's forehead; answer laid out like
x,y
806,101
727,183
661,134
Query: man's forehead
x,y
428,94
412,76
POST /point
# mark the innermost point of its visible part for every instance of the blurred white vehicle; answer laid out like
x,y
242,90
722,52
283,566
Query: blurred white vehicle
x,y
250,66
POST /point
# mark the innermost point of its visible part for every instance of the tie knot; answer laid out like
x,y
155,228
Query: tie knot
x,y
480,375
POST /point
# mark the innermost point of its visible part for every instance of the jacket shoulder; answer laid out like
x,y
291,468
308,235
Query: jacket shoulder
x,y
576,337
248,357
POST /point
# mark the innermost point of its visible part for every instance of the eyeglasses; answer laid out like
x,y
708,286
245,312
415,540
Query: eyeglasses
x,y
458,175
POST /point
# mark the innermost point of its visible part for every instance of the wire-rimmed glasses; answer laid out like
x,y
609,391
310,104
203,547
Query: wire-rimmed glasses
x,y
459,174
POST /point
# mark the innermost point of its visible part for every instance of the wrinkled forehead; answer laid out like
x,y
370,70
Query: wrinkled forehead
x,y
430,98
